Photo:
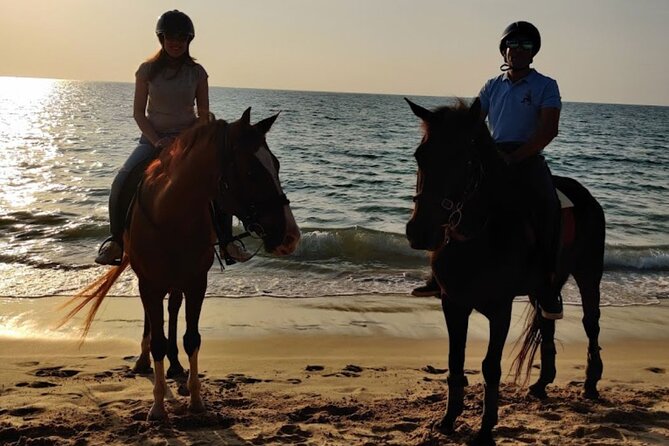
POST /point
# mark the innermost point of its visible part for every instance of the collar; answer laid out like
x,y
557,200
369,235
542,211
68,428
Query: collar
x,y
530,75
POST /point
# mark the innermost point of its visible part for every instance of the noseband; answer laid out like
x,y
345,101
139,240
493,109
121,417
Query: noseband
x,y
250,215
454,205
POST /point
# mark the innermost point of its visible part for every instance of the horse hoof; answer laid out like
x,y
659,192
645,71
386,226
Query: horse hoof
x,y
142,369
538,391
176,372
591,394
483,438
446,425
157,414
196,407
183,389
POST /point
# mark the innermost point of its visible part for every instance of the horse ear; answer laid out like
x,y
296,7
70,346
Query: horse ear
x,y
475,109
422,113
246,116
266,124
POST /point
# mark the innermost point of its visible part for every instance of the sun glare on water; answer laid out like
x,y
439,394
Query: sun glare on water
x,y
25,107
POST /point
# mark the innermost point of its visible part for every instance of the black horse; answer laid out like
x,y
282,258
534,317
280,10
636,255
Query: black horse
x,y
468,213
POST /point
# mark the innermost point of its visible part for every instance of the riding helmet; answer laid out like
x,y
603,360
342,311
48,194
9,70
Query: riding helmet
x,y
525,29
175,22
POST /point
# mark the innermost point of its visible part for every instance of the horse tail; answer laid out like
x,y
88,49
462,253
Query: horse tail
x,y
95,292
531,340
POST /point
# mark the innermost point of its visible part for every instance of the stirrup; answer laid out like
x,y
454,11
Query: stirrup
x,y
103,248
430,289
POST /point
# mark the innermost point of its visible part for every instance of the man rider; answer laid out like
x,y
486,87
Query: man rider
x,y
523,111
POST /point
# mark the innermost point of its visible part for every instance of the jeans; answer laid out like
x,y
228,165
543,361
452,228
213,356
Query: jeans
x,y
125,185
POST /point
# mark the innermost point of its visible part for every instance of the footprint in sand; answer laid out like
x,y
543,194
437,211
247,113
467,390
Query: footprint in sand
x,y
36,384
235,379
433,370
293,432
56,372
25,411
27,364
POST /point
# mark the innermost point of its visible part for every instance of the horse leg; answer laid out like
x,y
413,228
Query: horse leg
x,y
192,341
153,306
457,322
175,370
143,363
548,353
588,285
499,320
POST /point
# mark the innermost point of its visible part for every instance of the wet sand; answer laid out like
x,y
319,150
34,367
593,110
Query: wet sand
x,y
347,371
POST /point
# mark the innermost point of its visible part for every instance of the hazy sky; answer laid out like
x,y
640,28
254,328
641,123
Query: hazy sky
x,y
613,51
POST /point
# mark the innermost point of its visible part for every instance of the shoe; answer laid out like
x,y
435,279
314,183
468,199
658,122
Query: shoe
x,y
237,251
552,310
110,253
431,288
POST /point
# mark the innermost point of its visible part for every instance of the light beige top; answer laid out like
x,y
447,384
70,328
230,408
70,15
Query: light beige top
x,y
171,104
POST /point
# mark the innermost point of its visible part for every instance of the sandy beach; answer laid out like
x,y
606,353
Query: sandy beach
x,y
358,370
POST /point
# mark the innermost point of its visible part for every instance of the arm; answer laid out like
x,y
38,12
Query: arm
x,y
139,112
202,99
549,119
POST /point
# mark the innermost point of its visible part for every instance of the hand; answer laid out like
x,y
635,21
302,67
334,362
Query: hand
x,y
164,142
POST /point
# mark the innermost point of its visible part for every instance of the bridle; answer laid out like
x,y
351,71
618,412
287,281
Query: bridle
x,y
249,211
454,205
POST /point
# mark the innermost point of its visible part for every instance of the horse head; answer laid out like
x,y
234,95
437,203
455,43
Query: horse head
x,y
449,171
250,187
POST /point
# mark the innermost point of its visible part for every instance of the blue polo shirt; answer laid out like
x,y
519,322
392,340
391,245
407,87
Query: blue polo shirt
x,y
513,109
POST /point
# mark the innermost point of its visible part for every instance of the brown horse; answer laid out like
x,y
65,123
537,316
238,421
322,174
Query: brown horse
x,y
170,240
467,212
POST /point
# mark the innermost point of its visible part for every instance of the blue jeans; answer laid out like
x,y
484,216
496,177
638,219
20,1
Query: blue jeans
x,y
125,185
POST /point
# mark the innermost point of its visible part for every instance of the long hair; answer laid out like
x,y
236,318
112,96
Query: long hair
x,y
161,59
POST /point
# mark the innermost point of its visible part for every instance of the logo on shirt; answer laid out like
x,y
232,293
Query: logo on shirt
x,y
527,99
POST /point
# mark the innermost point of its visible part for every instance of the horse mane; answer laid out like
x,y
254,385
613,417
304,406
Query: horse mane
x,y
192,139
459,108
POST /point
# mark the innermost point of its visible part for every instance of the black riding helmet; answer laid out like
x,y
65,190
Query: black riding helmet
x,y
525,29
175,22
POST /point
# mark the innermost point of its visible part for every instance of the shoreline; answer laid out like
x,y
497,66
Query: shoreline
x,y
357,371
393,315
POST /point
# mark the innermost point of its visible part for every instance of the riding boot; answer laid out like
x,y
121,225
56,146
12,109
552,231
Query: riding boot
x,y
431,288
547,212
123,190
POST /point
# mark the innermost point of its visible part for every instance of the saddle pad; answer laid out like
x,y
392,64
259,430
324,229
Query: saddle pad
x,y
565,202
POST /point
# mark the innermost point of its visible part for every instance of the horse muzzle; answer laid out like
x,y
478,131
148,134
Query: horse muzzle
x,y
287,242
422,238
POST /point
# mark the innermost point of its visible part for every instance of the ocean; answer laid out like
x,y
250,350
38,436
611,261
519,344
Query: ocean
x,y
346,165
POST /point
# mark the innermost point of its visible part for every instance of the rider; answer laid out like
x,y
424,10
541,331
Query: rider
x,y
523,111
167,87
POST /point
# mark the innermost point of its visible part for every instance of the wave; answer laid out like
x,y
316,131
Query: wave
x,y
362,245
640,258
355,245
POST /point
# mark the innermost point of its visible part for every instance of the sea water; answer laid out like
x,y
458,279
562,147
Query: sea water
x,y
347,167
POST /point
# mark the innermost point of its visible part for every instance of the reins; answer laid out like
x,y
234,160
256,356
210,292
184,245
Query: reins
x,y
454,207
249,214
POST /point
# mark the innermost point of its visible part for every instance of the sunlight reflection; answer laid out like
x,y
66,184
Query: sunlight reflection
x,y
26,106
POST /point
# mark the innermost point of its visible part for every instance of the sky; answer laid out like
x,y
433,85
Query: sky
x,y
606,51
